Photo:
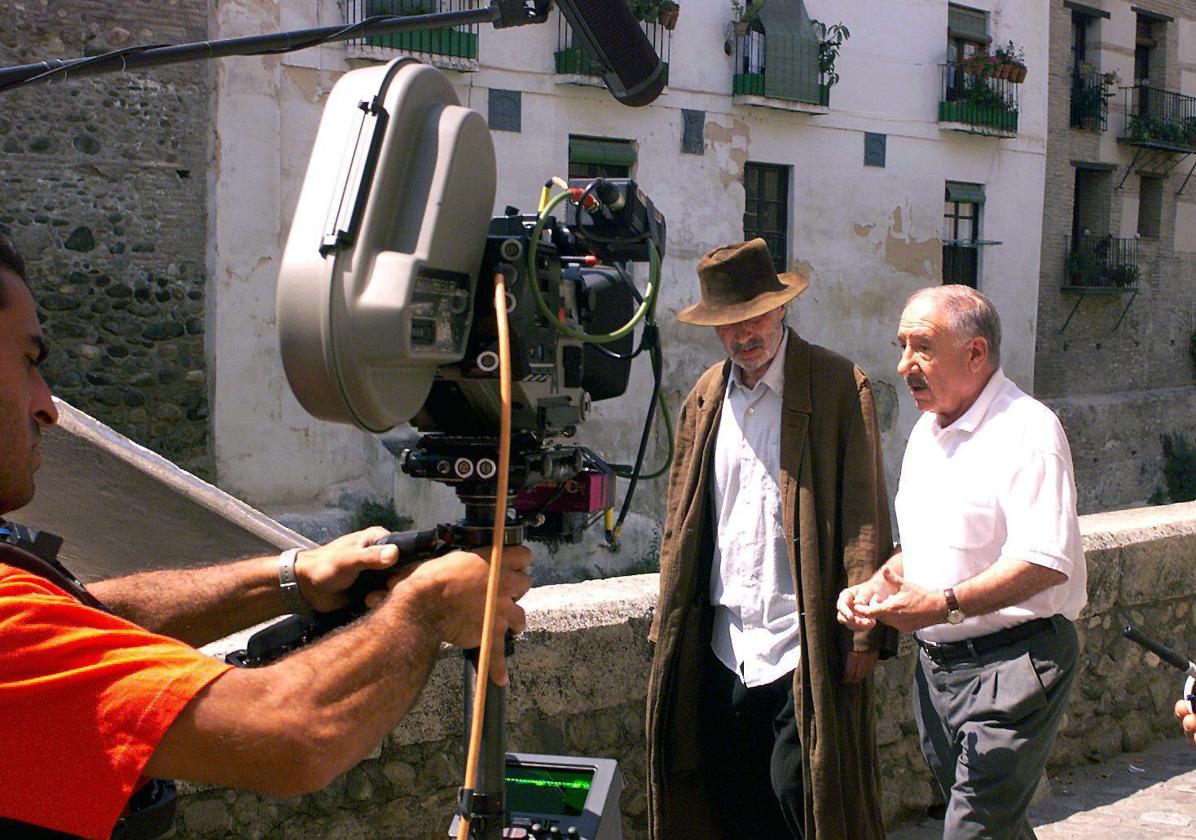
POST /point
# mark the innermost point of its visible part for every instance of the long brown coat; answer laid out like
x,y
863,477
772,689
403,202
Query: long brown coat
x,y
836,519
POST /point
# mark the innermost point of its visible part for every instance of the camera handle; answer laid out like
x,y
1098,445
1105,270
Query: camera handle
x,y
1171,657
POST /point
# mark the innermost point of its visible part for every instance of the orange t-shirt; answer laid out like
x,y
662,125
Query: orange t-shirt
x,y
84,699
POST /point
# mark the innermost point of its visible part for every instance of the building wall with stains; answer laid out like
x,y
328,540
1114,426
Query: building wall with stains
x,y
868,236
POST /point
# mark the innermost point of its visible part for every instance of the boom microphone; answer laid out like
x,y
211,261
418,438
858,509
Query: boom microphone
x,y
633,72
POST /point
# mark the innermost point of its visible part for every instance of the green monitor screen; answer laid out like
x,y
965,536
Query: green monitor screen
x,y
537,789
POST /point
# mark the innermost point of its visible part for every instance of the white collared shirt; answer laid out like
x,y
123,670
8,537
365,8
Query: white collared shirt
x,y
751,585
996,483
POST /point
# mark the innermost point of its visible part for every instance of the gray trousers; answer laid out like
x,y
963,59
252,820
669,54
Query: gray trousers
x,y
988,724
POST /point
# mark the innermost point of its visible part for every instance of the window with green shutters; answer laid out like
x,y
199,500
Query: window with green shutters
x,y
766,209
599,157
961,233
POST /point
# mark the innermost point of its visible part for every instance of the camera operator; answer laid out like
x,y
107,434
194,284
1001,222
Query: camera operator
x,y
102,689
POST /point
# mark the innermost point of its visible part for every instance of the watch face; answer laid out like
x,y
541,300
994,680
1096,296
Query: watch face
x,y
954,616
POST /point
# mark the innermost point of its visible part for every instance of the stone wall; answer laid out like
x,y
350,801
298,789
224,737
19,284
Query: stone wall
x,y
105,194
1116,366
579,675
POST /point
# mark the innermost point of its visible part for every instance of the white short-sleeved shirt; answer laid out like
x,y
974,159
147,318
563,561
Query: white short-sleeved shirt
x,y
996,483
751,584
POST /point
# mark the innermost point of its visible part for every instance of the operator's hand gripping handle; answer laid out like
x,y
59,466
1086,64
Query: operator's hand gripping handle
x,y
291,633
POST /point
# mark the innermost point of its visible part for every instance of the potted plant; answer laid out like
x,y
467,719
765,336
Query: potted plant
x,y
1010,63
667,13
979,64
743,14
830,39
1124,276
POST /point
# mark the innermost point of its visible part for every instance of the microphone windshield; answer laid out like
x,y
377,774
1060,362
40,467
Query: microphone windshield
x,y
632,71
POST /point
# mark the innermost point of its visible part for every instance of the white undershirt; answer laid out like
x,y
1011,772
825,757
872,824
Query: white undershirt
x,y
751,584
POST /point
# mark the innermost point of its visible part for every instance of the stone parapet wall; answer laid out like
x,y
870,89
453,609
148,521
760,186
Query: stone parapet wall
x,y
580,672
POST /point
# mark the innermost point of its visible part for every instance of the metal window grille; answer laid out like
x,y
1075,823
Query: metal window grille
x,y
458,42
574,60
1089,101
1101,262
972,97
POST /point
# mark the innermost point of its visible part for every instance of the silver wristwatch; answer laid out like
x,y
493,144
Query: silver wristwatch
x,y
954,613
288,584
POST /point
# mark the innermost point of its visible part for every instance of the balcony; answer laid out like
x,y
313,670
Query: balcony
x,y
1090,93
798,86
1101,263
454,49
977,103
1159,119
575,64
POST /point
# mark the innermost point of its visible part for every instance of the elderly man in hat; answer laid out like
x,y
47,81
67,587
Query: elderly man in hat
x,y
759,707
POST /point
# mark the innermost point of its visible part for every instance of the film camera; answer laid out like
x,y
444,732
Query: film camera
x,y
385,307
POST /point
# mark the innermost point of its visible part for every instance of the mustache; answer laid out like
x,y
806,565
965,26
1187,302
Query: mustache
x,y
747,345
915,380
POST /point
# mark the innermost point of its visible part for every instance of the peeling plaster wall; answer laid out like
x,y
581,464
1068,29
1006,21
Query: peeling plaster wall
x,y
867,236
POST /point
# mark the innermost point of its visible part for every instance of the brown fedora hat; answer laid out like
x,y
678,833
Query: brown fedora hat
x,y
740,282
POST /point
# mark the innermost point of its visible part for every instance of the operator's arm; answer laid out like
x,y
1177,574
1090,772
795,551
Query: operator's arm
x,y
293,726
199,606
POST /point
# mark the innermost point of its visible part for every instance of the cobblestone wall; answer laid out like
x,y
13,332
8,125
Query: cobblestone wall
x,y
105,195
579,675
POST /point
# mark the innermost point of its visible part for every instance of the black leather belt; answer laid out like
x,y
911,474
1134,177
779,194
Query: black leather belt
x,y
976,647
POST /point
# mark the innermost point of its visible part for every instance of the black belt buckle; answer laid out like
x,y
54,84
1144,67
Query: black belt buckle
x,y
980,645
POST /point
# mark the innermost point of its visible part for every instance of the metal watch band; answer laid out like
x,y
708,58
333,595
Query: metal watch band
x,y
288,584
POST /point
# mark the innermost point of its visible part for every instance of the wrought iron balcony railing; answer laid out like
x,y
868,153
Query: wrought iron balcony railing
x,y
978,101
749,79
1101,262
1090,92
572,59
1159,118
440,46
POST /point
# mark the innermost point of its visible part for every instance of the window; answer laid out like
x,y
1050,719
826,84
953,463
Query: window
x,y
1143,44
598,157
961,233
1150,206
967,33
1079,40
766,209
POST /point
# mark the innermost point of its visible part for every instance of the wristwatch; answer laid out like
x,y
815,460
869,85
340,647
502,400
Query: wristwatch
x,y
288,585
954,613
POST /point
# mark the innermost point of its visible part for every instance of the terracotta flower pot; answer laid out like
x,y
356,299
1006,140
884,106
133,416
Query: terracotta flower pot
x,y
668,19
1018,75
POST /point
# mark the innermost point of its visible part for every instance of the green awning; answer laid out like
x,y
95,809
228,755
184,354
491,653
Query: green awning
x,y
608,152
967,24
790,52
965,193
